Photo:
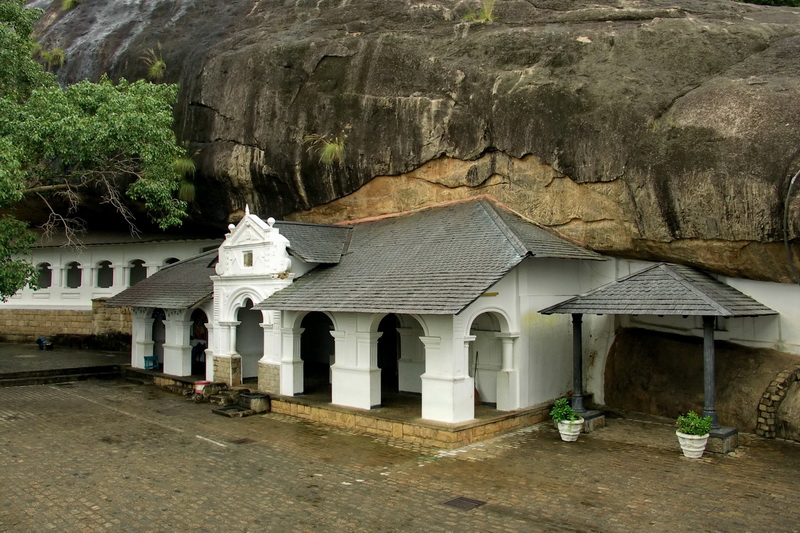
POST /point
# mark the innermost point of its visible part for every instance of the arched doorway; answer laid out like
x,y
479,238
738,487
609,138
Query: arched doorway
x,y
198,339
159,336
249,338
137,272
389,353
317,349
105,275
485,356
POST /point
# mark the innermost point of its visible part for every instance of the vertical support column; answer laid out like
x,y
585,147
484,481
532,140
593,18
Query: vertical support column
x,y
709,382
508,376
228,364
118,280
291,363
212,334
142,335
177,350
355,376
577,363
151,268
448,395
269,366
411,364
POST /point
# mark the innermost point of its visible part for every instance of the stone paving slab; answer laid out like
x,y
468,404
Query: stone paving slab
x,y
107,456
28,358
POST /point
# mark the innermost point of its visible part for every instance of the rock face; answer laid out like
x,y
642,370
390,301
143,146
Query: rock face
x,y
660,129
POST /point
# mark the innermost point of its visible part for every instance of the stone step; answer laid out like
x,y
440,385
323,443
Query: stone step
x,y
63,375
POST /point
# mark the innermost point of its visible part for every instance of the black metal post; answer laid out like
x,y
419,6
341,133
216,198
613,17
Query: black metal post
x,y
577,363
710,407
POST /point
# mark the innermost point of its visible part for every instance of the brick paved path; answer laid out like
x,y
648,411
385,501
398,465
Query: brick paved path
x,y
108,456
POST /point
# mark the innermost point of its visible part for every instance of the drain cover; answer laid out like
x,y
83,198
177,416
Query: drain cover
x,y
464,503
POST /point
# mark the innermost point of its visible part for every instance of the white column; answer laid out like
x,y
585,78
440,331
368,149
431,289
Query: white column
x,y
151,268
119,279
141,335
177,350
291,364
212,332
411,364
508,377
448,394
356,381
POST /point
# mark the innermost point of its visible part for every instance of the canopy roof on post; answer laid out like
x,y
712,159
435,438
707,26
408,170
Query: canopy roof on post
x,y
663,289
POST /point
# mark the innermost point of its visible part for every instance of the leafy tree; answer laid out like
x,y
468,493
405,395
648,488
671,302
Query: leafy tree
x,y
109,140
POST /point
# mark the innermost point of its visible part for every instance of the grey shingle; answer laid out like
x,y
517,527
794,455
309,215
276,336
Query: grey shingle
x,y
433,261
664,289
315,243
180,285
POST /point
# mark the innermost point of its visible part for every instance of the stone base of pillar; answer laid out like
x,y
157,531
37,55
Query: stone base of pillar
x,y
593,419
269,378
507,390
448,400
356,387
228,369
723,440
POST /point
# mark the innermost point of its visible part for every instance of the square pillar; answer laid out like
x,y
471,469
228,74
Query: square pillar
x,y
356,378
141,335
291,364
177,350
508,376
446,397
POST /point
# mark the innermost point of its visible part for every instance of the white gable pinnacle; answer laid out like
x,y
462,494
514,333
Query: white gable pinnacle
x,y
253,248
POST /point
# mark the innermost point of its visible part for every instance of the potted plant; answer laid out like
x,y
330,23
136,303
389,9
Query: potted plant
x,y
569,423
693,434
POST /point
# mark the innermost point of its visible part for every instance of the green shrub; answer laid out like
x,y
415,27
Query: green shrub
x,y
156,66
66,5
692,424
562,411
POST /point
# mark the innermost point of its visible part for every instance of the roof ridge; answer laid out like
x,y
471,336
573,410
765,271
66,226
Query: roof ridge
x,y
681,278
504,228
397,214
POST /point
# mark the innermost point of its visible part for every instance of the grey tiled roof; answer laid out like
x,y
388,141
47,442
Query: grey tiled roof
x,y
180,285
664,289
433,261
315,243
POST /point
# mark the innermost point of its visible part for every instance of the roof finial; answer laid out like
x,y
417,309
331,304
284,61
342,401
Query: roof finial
x,y
246,210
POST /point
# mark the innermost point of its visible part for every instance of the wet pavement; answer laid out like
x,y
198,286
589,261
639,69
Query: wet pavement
x,y
29,358
112,456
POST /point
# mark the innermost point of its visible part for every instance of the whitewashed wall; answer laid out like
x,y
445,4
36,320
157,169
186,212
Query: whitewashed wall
x,y
59,296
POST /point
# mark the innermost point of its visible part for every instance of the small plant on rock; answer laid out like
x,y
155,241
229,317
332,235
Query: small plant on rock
x,y
486,13
329,147
693,424
156,66
66,5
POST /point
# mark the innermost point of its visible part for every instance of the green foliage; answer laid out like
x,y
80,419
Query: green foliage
x,y
329,147
66,5
562,411
53,58
156,66
15,240
185,168
486,13
110,140
692,424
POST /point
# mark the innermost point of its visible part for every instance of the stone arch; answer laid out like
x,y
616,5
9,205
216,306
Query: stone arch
x,y
485,360
296,319
105,274
45,276
249,337
771,401
159,334
74,275
198,340
503,321
136,271
317,351
170,261
237,300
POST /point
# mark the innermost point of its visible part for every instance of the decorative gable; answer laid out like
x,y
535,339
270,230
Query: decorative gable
x,y
253,248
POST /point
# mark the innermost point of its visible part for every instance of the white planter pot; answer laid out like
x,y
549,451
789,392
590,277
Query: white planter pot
x,y
693,446
570,430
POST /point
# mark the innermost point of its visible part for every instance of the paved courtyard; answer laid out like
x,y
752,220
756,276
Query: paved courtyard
x,y
111,456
